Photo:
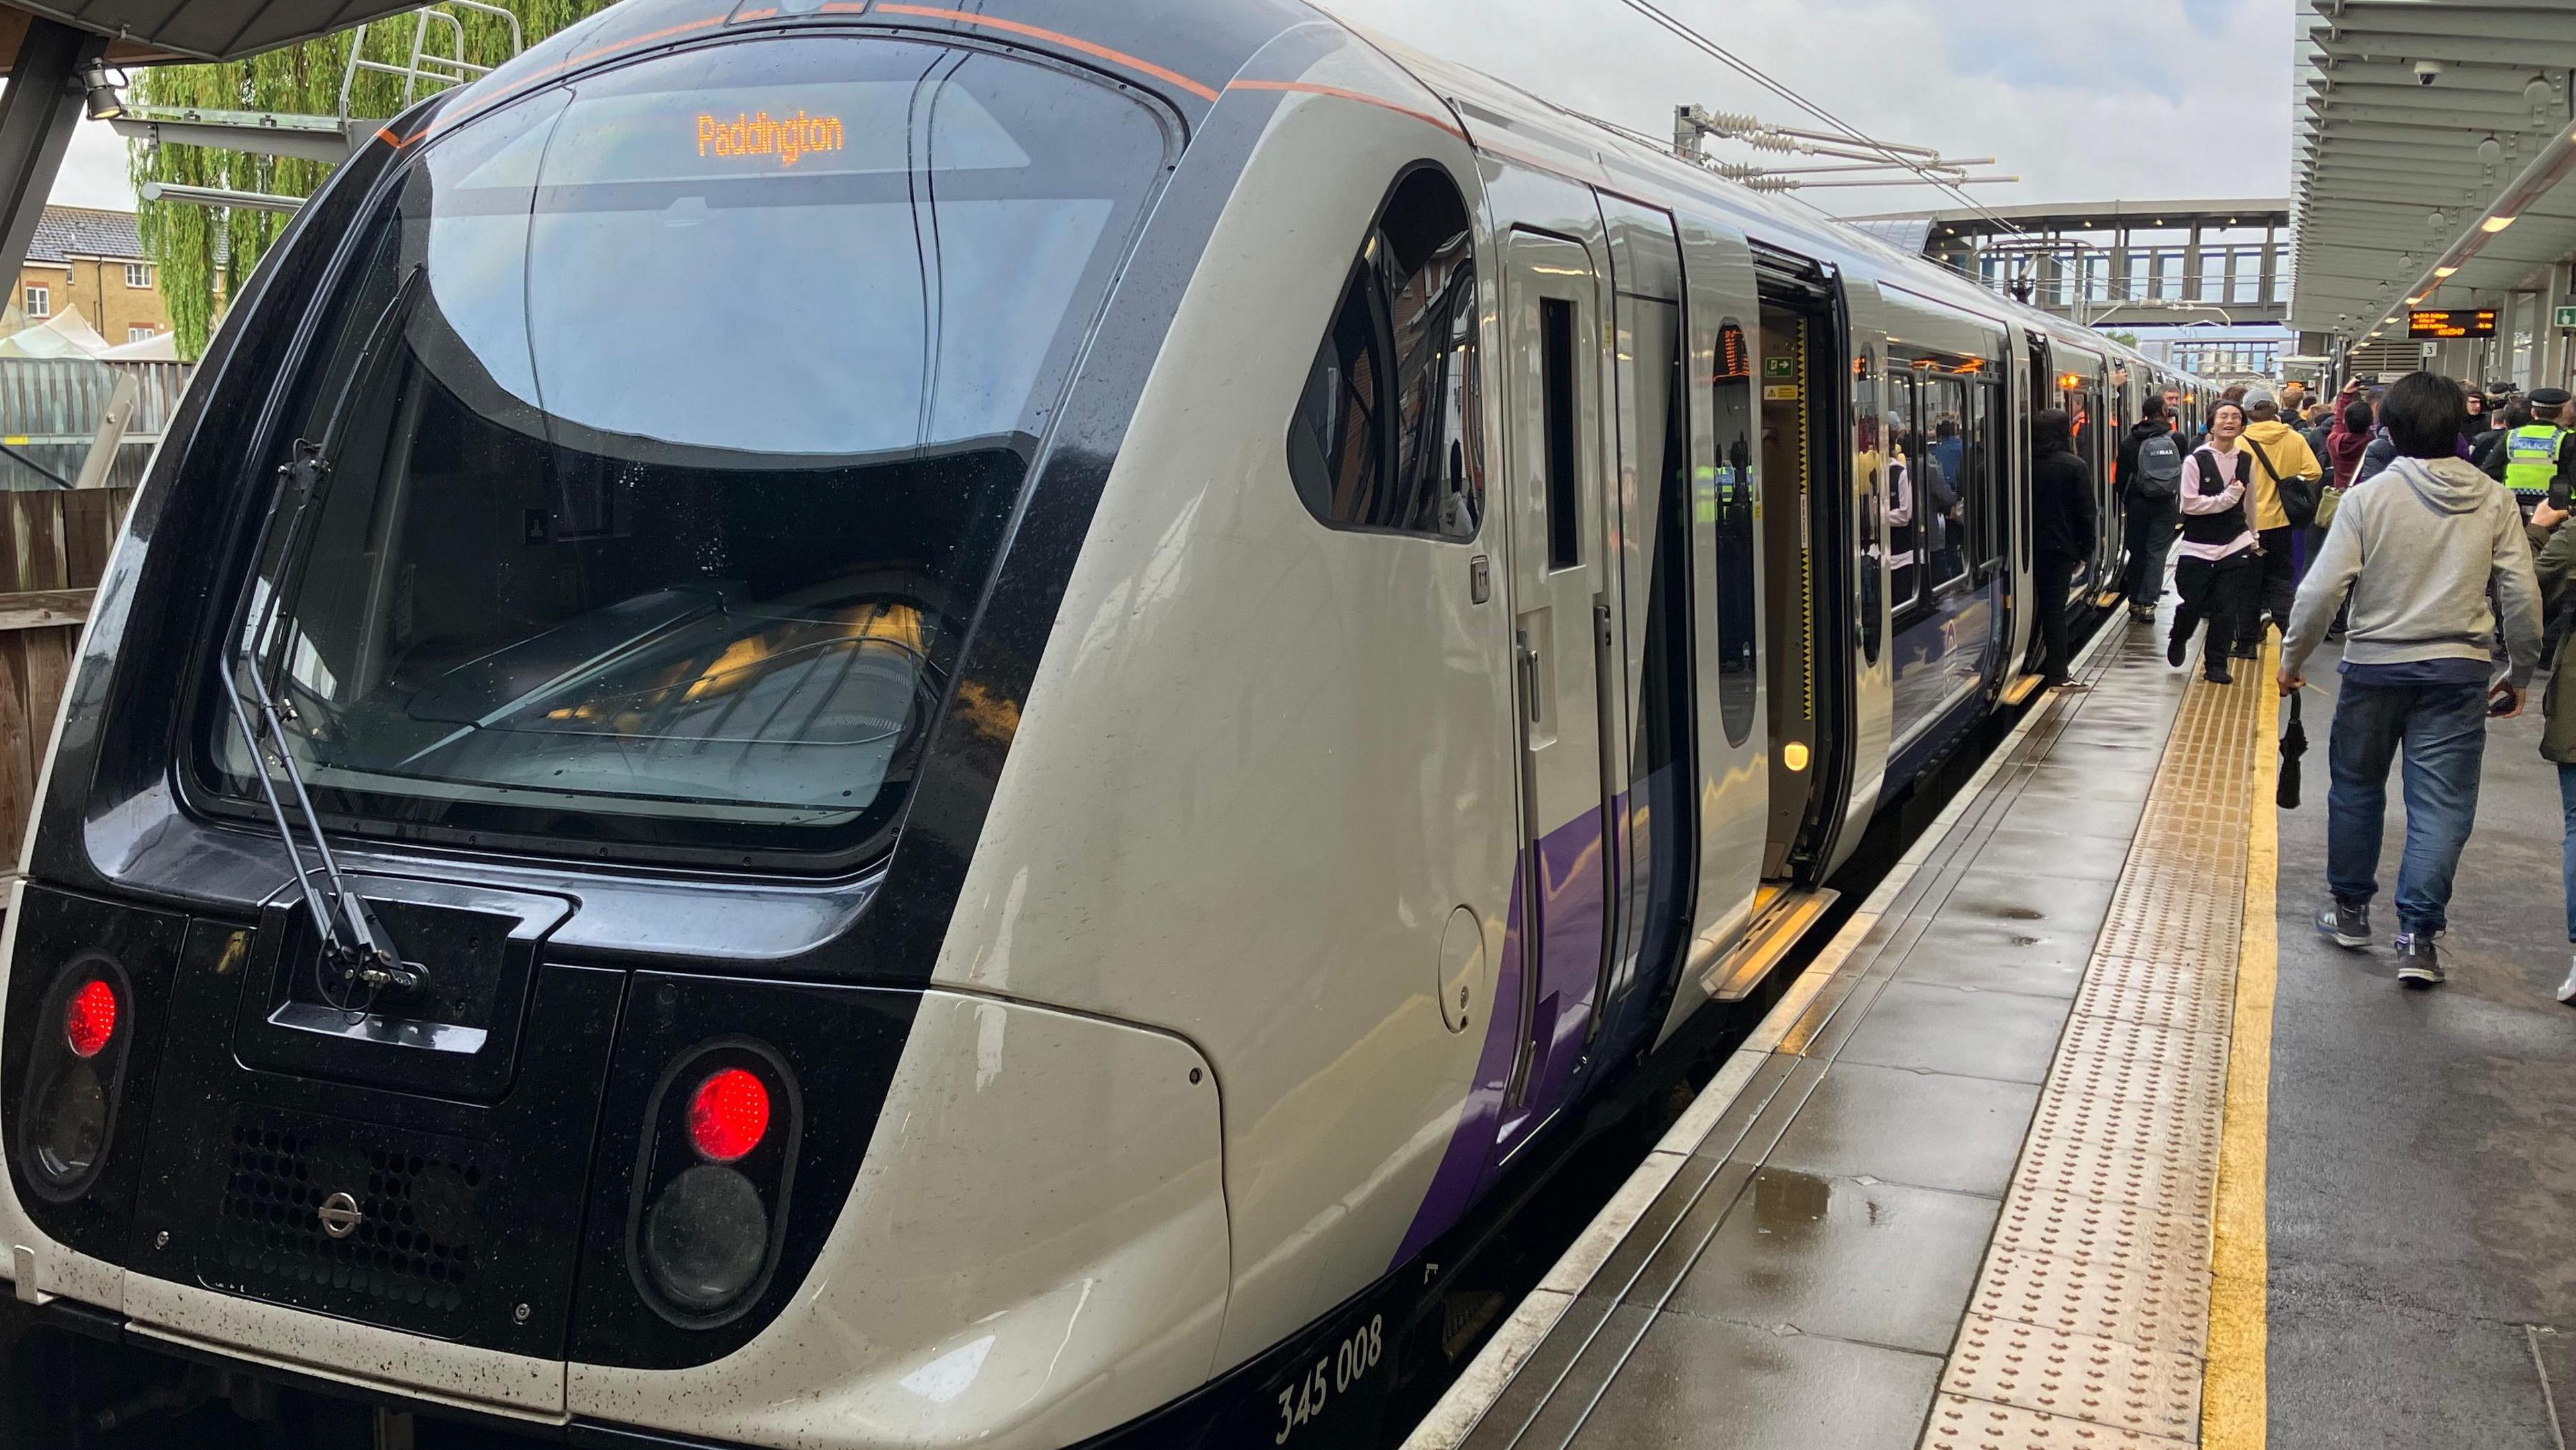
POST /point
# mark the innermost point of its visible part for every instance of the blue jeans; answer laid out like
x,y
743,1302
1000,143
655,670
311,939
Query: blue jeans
x,y
2567,799
2444,731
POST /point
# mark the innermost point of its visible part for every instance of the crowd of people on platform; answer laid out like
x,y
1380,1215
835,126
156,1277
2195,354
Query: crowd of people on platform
x,y
2424,526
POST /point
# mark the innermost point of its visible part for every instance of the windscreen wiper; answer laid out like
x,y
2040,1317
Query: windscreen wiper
x,y
359,957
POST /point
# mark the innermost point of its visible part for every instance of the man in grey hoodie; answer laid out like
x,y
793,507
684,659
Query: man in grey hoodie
x,y
2418,546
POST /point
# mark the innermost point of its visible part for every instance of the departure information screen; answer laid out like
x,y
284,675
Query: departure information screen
x,y
2452,322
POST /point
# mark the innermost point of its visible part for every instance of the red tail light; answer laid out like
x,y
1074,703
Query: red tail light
x,y
89,1019
728,1115
75,1074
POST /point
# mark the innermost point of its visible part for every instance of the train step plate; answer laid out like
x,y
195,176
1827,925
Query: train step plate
x,y
1771,938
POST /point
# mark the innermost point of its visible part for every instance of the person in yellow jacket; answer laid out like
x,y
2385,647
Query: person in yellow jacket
x,y
2279,454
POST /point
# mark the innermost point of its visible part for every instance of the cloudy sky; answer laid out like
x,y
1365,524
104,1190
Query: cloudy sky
x,y
2085,100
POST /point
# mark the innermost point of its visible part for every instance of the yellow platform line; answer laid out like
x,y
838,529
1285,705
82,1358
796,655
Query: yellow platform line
x,y
2235,1397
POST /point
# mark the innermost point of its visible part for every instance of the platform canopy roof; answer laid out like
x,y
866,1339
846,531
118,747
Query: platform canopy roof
x,y
2432,134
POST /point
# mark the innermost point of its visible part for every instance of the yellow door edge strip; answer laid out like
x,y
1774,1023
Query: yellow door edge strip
x,y
2235,1398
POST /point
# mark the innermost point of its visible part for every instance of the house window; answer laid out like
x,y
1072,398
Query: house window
x,y
138,274
40,302
139,334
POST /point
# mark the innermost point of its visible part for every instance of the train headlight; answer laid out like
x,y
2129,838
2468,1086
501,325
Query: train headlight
x,y
705,1237
711,1181
76,1072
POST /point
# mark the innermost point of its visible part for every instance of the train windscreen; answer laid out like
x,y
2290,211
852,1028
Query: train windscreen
x,y
664,431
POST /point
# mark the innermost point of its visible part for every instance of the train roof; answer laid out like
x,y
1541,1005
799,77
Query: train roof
x,y
1189,50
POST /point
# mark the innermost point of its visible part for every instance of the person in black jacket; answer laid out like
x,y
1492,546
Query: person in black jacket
x,y
2062,525
2152,504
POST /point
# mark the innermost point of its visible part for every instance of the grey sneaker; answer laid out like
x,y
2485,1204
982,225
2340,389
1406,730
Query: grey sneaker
x,y
2419,965
2345,925
2567,989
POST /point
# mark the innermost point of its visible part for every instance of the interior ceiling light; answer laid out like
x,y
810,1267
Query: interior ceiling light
x,y
2495,224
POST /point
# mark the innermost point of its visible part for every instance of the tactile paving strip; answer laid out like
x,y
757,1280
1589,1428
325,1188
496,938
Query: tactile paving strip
x,y
2078,1376
1960,1423
2091,1314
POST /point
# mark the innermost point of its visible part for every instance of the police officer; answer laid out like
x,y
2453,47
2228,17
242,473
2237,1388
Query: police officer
x,y
2538,459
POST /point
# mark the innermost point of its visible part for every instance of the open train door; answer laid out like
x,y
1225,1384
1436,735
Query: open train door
x,y
1812,601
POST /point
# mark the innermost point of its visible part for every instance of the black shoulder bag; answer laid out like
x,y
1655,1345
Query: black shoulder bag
x,y
2299,496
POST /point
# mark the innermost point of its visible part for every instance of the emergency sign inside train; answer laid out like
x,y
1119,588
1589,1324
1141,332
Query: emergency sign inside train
x,y
867,725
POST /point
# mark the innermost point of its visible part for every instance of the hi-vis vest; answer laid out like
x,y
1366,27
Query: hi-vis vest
x,y
2531,457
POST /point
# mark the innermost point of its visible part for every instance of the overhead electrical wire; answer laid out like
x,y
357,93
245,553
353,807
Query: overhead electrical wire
x,y
1896,155
1693,37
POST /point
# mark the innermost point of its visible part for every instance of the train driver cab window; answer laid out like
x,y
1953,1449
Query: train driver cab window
x,y
1385,436
1727,501
586,556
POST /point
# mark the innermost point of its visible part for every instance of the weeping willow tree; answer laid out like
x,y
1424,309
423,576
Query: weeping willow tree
x,y
205,253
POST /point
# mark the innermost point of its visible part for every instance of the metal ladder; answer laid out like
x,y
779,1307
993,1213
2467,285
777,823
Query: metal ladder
x,y
427,64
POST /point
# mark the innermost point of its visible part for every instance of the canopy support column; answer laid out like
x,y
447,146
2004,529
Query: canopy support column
x,y
37,112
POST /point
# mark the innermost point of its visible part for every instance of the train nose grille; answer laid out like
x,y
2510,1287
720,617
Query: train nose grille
x,y
417,1235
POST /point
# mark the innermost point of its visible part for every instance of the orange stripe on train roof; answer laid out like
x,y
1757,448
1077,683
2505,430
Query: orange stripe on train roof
x,y
1056,37
1339,93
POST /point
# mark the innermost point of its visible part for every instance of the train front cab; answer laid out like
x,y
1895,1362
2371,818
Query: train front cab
x,y
1412,624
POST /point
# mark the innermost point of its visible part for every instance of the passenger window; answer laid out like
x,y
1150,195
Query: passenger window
x,y
1727,500
1556,387
1387,436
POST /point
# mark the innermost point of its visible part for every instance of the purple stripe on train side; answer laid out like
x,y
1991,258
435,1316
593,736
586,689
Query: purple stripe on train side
x,y
1572,869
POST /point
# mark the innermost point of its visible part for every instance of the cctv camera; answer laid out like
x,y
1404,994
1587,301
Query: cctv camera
x,y
2427,71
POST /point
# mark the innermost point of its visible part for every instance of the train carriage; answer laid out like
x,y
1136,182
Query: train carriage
x,y
854,724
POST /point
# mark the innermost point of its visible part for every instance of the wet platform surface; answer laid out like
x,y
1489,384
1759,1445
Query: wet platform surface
x,y
1969,1185
2422,1216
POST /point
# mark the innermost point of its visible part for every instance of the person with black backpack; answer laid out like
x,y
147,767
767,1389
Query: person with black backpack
x,y
2150,478
2221,561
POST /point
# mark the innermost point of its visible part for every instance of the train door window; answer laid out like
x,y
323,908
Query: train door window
x,y
1384,438
1728,502
1979,469
1868,474
1955,510
1556,389
1906,515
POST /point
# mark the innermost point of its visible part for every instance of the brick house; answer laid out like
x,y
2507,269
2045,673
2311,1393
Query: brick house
x,y
92,259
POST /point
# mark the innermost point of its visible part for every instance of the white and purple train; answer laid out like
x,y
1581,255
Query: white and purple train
x,y
844,723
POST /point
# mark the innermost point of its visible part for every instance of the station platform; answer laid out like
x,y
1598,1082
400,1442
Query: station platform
x,y
2077,1135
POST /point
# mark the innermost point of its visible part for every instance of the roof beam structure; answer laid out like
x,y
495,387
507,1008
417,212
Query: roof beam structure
x,y
2432,134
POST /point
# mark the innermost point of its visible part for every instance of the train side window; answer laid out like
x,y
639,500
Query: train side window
x,y
1556,390
1979,460
1386,437
1908,517
1869,469
1957,492
1727,500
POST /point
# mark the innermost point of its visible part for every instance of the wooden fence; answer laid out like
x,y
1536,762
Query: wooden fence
x,y
53,549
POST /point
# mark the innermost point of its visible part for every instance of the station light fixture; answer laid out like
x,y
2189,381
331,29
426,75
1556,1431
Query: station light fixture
x,y
2495,224
2444,271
